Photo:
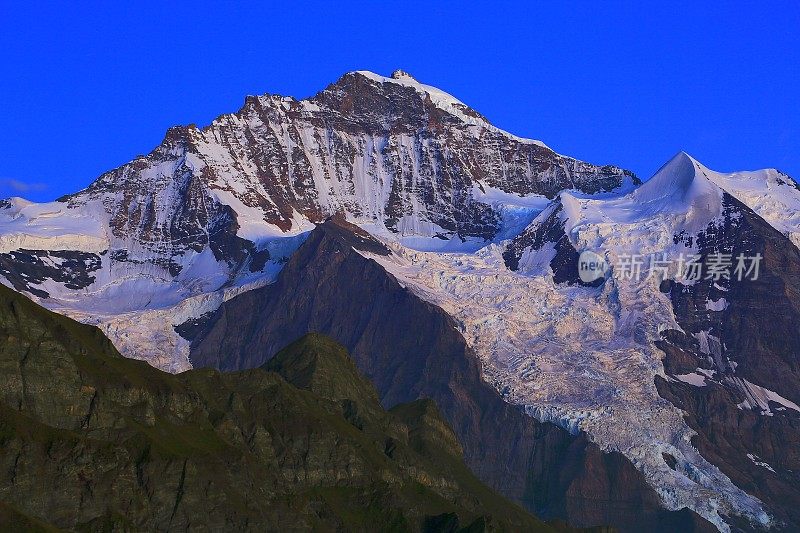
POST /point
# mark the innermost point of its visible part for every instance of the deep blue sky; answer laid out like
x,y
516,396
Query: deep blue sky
x,y
85,89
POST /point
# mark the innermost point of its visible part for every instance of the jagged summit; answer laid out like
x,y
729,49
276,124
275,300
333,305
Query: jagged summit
x,y
440,99
402,74
390,154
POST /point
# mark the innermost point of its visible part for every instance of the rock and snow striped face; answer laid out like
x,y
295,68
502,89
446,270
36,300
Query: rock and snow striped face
x,y
207,207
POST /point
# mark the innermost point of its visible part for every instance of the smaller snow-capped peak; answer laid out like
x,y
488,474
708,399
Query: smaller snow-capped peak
x,y
681,180
680,191
684,184
681,187
688,196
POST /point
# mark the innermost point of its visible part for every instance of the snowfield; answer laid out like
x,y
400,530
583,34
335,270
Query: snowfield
x,y
51,226
770,193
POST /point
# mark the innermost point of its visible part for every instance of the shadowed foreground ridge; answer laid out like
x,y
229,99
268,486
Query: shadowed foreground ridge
x,y
93,441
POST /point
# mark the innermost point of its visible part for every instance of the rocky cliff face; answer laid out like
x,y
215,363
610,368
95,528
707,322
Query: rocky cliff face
x,y
733,366
410,349
92,441
544,244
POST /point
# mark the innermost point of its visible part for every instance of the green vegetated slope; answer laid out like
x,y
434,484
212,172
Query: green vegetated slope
x,y
90,440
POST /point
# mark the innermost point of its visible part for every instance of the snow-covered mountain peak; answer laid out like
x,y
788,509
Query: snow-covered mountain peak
x,y
442,100
218,206
401,77
680,180
680,196
684,183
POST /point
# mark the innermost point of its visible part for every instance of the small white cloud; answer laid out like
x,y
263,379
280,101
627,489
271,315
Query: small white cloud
x,y
22,186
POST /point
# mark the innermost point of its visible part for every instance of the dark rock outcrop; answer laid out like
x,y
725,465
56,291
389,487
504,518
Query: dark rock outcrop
x,y
548,229
26,269
410,350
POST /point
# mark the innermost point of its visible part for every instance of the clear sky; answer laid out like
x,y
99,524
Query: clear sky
x,y
85,89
